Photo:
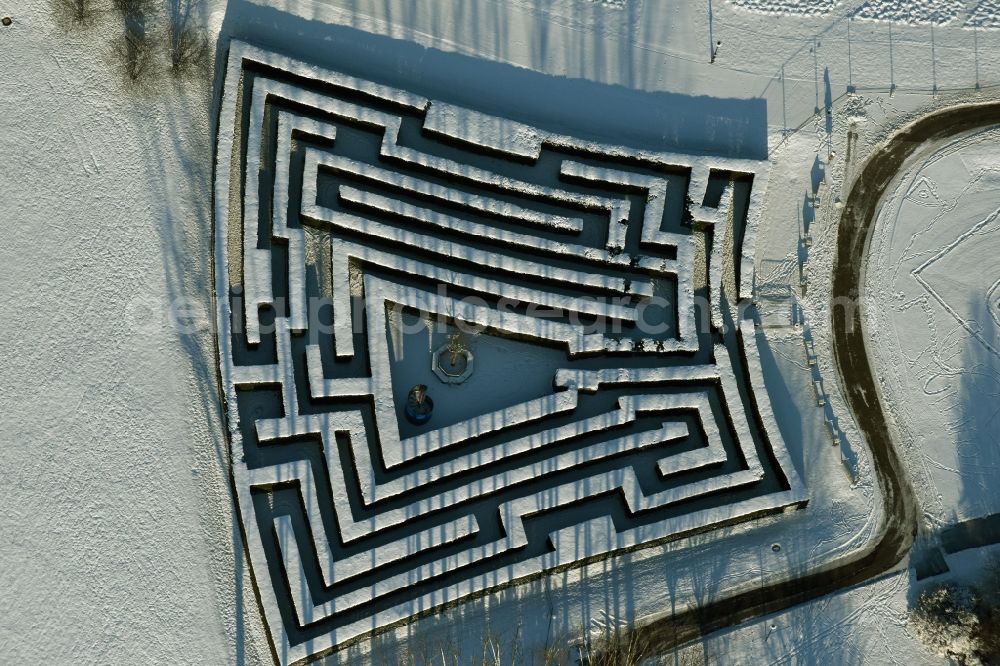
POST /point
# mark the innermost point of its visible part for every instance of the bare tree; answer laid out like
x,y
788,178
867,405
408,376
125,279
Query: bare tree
x,y
989,635
74,12
189,50
612,642
946,618
133,49
135,54
989,630
134,7
188,46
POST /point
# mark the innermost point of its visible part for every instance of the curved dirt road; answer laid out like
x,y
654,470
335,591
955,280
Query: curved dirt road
x,y
860,390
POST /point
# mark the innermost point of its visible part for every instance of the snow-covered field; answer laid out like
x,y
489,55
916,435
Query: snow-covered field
x,y
122,542
932,296
118,544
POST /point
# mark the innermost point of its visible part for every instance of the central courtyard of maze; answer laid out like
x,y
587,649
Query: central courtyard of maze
x,y
598,297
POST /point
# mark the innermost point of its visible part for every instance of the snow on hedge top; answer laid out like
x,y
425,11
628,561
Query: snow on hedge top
x,y
802,7
985,15
914,12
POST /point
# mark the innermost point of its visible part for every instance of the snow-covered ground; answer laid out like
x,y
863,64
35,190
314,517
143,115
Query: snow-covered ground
x,y
118,544
932,297
120,540
946,463
865,625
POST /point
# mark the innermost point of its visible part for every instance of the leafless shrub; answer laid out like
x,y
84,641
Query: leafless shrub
x,y
130,8
552,655
135,55
187,45
496,650
613,643
74,12
989,630
189,50
619,647
946,619
989,635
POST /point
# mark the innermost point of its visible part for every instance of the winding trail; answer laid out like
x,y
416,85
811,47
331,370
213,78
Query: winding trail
x,y
860,389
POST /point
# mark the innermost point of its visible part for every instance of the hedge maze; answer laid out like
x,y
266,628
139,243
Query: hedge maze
x,y
349,215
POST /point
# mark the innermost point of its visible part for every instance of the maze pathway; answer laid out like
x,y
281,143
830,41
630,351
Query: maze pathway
x,y
342,205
